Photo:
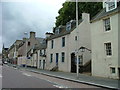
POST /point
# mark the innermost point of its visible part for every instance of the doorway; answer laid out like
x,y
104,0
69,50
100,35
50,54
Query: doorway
x,y
40,64
73,64
57,56
43,64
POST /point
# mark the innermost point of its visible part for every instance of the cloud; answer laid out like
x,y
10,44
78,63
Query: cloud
x,y
19,17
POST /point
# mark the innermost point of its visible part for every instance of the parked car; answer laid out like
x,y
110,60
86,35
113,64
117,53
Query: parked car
x,y
5,62
15,66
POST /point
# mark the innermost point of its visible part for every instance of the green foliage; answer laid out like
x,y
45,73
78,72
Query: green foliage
x,y
68,11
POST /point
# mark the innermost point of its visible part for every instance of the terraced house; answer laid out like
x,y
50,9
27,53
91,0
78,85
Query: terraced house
x,y
105,32
26,57
13,52
61,46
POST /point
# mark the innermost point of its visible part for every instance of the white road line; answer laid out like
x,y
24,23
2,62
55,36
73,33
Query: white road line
x,y
59,86
27,74
0,76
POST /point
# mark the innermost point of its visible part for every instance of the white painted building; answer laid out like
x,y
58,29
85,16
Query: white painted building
x,y
105,31
62,44
41,57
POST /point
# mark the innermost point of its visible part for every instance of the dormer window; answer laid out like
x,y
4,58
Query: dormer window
x,y
111,5
57,31
68,26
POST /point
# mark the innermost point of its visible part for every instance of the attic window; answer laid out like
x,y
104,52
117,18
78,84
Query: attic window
x,y
111,5
57,31
68,26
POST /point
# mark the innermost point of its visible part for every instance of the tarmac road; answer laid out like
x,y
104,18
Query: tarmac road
x,y
15,78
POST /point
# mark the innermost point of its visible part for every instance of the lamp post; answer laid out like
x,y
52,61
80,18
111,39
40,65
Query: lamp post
x,y
26,34
82,49
77,67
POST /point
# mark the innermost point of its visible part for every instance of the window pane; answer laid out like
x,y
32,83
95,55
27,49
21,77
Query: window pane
x,y
112,70
63,56
108,48
107,24
63,41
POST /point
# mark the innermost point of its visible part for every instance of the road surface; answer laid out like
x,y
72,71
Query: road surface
x,y
15,78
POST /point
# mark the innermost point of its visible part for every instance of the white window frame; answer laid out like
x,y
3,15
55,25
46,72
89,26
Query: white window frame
x,y
57,31
111,70
68,26
107,24
108,49
51,58
40,52
111,5
62,56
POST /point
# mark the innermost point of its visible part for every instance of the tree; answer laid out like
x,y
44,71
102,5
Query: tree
x,y
68,11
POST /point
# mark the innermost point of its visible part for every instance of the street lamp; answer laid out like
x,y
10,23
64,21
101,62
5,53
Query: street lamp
x,y
26,34
77,67
82,49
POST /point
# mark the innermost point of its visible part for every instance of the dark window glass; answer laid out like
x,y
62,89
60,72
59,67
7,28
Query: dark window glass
x,y
107,24
51,58
63,56
52,43
63,41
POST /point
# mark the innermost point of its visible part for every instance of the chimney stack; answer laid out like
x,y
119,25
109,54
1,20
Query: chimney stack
x,y
48,34
32,34
86,16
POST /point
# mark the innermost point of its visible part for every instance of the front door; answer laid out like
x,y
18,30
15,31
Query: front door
x,y
73,63
57,56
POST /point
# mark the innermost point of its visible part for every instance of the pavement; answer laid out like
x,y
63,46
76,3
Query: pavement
x,y
85,79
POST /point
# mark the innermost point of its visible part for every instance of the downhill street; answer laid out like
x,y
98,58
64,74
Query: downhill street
x,y
15,78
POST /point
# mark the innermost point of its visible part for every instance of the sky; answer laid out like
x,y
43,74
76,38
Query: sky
x,y
19,16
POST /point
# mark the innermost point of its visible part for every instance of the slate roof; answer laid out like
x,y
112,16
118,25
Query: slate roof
x,y
63,32
39,39
103,13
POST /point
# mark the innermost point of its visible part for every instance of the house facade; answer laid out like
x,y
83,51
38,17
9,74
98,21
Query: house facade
x,y
13,52
22,52
62,45
105,32
41,56
4,54
26,56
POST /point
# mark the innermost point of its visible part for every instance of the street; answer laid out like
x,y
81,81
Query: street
x,y
0,77
15,78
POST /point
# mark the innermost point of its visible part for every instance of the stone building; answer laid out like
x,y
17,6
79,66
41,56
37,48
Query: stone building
x,y
63,43
105,32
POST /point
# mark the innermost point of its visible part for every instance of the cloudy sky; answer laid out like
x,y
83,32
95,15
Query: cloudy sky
x,y
19,16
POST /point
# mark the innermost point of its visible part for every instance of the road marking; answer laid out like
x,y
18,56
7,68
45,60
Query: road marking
x,y
59,86
0,76
27,74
